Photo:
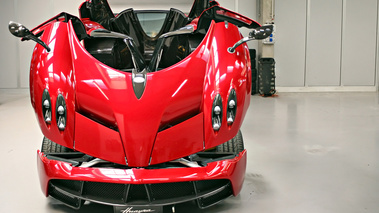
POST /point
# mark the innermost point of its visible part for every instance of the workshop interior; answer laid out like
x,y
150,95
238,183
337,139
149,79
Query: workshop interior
x,y
189,106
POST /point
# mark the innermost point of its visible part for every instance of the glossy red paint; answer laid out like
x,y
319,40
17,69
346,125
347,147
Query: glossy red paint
x,y
233,170
172,119
194,23
91,25
53,71
100,88
174,143
100,141
105,94
225,71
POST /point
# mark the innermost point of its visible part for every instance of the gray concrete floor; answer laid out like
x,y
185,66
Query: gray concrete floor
x,y
307,152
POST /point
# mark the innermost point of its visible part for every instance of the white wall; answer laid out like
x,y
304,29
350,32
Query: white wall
x,y
9,57
326,44
359,33
290,44
16,56
320,43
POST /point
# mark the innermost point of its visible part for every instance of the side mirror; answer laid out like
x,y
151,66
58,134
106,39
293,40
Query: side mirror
x,y
21,31
18,29
261,32
258,33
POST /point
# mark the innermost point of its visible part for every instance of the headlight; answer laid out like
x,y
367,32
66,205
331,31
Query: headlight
x,y
46,106
61,112
217,112
232,107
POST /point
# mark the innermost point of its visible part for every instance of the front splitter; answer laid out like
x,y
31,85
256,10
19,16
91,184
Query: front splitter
x,y
54,170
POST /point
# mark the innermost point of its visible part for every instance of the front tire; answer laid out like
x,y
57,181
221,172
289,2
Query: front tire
x,y
235,145
48,146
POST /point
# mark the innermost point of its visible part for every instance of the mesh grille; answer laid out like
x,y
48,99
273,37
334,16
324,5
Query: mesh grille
x,y
137,193
108,192
205,202
70,201
172,190
210,185
141,194
70,186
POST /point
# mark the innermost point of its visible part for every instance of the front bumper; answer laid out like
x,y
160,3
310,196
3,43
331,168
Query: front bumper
x,y
140,186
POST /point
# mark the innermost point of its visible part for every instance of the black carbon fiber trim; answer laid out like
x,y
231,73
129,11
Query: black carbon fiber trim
x,y
206,192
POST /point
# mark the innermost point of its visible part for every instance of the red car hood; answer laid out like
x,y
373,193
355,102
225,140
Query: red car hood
x,y
106,95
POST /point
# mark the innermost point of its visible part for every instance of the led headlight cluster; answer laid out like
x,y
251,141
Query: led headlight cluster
x,y
232,107
46,106
61,112
217,111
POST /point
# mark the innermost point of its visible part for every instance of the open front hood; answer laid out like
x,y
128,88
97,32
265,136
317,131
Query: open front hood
x,y
173,117
106,96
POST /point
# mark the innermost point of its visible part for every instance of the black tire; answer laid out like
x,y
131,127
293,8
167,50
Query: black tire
x,y
49,146
235,145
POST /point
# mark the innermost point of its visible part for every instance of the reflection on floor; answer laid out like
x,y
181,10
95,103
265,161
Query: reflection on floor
x,y
309,152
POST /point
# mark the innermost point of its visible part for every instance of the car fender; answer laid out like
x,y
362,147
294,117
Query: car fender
x,y
52,71
224,72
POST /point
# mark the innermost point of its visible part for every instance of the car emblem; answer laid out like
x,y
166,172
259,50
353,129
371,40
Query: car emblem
x,y
137,209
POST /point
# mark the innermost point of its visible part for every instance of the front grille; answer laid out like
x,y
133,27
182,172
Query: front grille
x,y
206,192
212,199
109,192
172,190
70,186
136,193
73,202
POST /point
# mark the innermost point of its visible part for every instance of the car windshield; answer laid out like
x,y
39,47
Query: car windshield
x,y
151,13
151,22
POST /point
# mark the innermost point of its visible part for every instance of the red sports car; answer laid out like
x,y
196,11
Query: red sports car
x,y
141,109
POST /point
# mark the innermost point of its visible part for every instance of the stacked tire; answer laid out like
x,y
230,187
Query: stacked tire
x,y
254,72
266,77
